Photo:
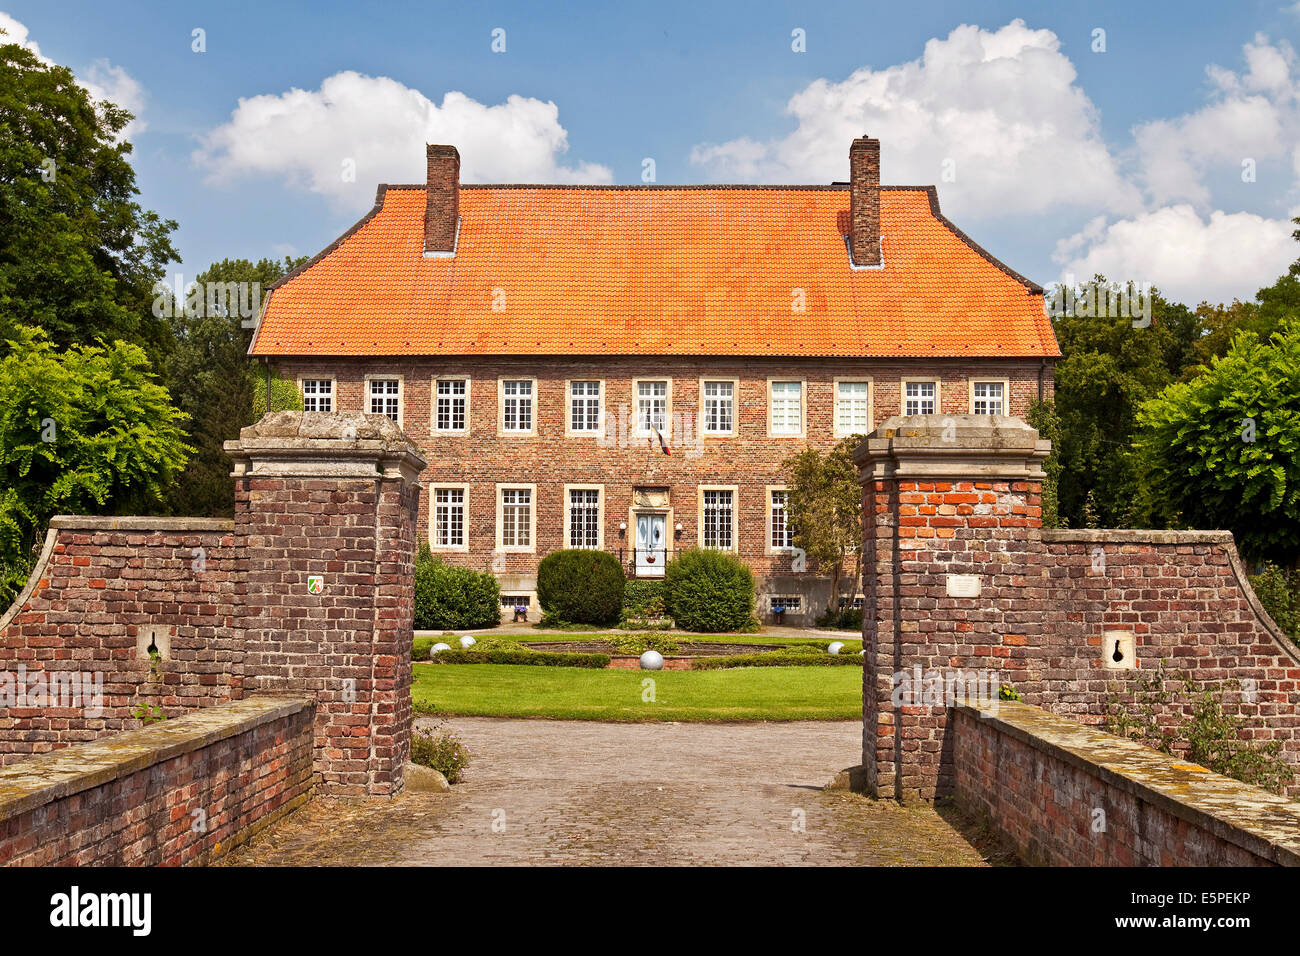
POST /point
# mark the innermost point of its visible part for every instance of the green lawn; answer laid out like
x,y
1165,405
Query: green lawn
x,y
746,693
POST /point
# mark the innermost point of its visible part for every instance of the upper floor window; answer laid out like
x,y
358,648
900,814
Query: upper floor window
x,y
451,404
651,405
852,408
919,398
719,408
517,405
988,398
787,408
318,395
584,407
386,398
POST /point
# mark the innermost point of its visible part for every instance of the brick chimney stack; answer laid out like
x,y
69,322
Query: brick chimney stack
x,y
864,201
442,211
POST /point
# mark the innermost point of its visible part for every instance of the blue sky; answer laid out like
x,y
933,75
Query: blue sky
x,y
1057,157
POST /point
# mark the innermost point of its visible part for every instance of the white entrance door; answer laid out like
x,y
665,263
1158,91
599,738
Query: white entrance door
x,y
651,553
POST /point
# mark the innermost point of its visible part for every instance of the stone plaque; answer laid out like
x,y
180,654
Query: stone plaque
x,y
964,585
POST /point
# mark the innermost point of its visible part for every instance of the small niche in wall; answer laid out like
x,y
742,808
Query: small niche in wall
x,y
152,640
1119,650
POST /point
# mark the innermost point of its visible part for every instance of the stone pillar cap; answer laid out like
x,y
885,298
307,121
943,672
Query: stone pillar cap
x,y
325,444
980,447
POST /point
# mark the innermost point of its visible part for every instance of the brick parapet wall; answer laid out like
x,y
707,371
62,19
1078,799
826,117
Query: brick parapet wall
x,y
1068,795
183,791
100,589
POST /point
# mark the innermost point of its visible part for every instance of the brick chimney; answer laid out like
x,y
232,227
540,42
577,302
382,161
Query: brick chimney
x,y
443,208
864,201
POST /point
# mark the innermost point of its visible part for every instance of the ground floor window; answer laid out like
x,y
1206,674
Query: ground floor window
x,y
719,520
584,518
782,538
449,517
516,517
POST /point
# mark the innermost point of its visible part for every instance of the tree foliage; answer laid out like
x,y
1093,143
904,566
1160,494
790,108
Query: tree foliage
x,y
82,431
824,504
1221,450
78,256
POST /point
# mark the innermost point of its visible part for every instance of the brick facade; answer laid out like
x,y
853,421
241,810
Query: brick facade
x,y
750,460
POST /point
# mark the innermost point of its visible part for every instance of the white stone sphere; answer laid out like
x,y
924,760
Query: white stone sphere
x,y
835,647
467,642
652,661
862,653
439,647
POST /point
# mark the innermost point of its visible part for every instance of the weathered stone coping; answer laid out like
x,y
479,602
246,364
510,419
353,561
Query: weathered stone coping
x,y
1259,822
176,525
45,778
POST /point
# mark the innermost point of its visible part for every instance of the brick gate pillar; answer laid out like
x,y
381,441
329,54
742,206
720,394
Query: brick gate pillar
x,y
325,510
952,536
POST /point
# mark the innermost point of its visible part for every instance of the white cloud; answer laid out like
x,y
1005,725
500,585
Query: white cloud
x,y
1002,105
1252,115
103,80
377,127
1190,259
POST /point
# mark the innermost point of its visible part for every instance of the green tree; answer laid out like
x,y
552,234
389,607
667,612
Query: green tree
x,y
214,382
1108,369
78,256
1220,451
85,430
824,503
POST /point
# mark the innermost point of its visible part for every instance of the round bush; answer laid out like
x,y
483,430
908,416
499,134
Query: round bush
x,y
580,586
449,598
709,591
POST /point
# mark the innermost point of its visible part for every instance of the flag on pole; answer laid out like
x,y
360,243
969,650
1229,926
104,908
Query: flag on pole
x,y
663,445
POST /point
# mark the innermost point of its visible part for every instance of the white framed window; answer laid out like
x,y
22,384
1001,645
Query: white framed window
x,y
518,397
317,394
852,407
718,518
585,406
780,536
516,516
785,407
450,404
651,406
449,518
582,516
988,397
384,396
920,396
787,602
718,407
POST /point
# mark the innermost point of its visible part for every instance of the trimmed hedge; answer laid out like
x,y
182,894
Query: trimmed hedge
x,y
643,605
783,658
522,656
448,597
582,586
709,591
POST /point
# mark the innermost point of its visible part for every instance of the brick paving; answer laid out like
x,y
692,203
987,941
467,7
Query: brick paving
x,y
581,792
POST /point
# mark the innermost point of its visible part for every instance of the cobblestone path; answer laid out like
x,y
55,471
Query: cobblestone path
x,y
578,792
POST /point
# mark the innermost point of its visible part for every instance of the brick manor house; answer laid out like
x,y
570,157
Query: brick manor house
x,y
627,367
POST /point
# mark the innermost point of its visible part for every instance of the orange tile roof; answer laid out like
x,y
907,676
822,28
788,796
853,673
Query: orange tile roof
x,y
654,271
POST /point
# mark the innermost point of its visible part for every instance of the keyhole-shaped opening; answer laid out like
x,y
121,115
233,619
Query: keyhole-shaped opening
x,y
1118,655
153,644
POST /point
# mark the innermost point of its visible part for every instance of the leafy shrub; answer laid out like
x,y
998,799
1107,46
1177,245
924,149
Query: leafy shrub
x,y
440,750
450,597
846,619
523,655
806,656
709,591
285,396
1276,590
644,607
582,586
